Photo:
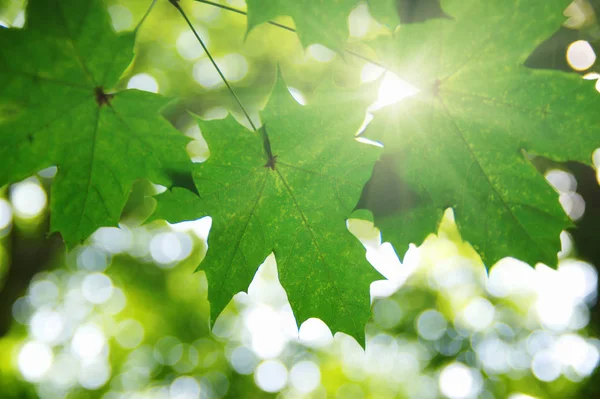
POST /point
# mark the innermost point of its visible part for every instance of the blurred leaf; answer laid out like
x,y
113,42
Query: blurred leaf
x,y
294,202
56,76
315,22
392,12
460,142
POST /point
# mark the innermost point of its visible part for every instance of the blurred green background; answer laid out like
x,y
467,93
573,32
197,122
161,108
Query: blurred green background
x,y
124,317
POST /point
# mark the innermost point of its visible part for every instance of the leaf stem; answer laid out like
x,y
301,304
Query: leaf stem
x,y
289,29
145,16
175,3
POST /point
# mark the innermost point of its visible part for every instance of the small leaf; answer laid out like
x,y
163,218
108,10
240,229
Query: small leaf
x,y
57,108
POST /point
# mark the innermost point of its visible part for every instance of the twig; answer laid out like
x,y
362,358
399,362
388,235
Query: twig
x,y
178,7
289,29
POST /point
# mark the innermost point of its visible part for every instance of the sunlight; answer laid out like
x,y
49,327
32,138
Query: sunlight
x,y
392,90
298,96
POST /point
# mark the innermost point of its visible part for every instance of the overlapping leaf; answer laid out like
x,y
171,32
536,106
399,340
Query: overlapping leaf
x,y
392,12
294,203
324,22
55,109
465,140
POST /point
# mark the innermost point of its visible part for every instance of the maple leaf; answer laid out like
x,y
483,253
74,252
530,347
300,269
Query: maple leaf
x,y
393,12
315,22
56,109
465,140
290,193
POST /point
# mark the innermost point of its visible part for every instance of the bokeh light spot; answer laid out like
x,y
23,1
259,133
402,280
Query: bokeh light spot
x,y
234,67
387,313
320,53
271,376
120,17
46,326
456,381
188,46
243,360
580,55
545,366
94,375
305,376
34,360
92,259
563,181
431,325
28,199
313,332
97,288
130,334
167,248
359,21
479,314
184,388
88,342
5,214
43,292
144,82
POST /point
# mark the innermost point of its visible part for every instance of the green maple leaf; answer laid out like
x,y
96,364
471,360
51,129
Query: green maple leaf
x,y
55,109
393,12
461,141
294,203
324,22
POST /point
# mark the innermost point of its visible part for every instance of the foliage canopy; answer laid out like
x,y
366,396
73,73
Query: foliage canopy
x,y
464,141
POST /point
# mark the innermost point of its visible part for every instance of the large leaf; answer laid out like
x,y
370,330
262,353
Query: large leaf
x,y
465,140
55,109
324,22
294,203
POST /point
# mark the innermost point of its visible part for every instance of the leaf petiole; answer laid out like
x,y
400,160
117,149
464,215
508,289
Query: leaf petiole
x,y
175,4
145,16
